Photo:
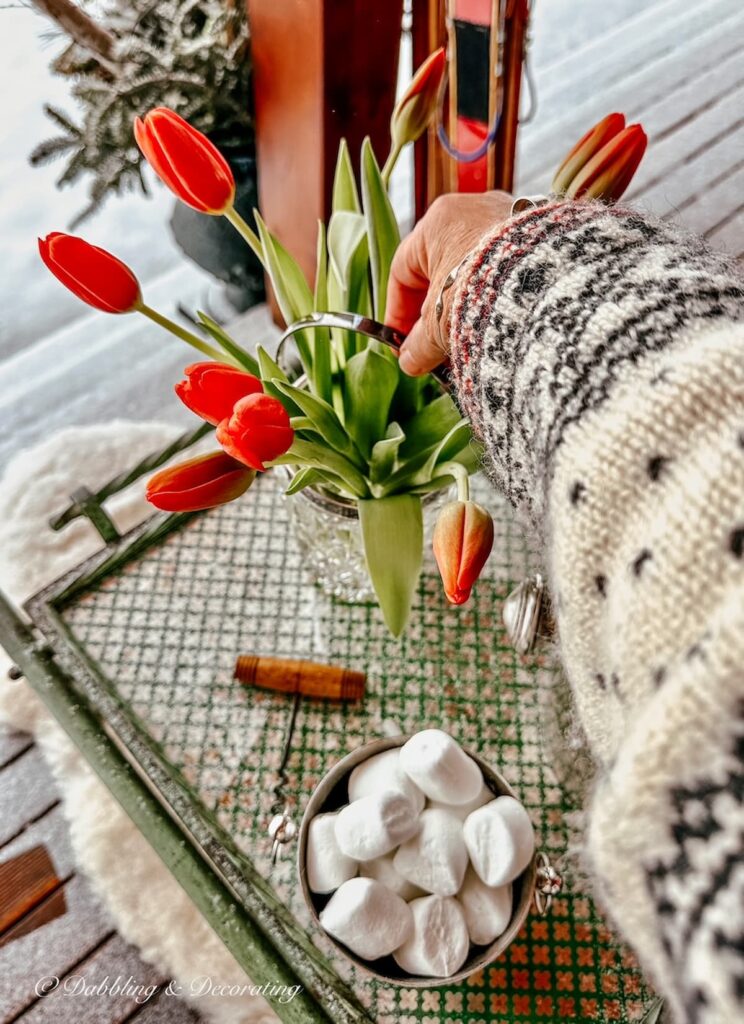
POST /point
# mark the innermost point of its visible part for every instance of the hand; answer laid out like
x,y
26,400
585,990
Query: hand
x,y
450,229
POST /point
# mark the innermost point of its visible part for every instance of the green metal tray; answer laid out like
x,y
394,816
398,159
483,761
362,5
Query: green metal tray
x,y
142,641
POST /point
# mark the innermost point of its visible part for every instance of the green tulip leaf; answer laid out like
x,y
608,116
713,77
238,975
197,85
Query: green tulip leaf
x,y
430,425
345,196
328,460
393,535
270,371
384,453
244,359
290,287
419,468
321,336
324,419
308,477
382,227
371,380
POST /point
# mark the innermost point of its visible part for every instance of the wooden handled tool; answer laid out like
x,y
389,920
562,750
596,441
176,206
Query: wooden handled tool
x,y
308,678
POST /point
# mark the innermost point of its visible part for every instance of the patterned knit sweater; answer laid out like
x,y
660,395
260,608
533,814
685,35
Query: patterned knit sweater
x,y
600,357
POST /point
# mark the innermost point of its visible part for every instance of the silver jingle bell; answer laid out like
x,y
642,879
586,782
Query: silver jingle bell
x,y
548,883
282,830
522,612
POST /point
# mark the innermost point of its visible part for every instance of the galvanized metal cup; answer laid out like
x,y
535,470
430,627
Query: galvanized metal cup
x,y
332,793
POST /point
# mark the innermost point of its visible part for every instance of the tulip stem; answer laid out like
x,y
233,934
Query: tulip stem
x,y
184,335
460,475
245,231
390,163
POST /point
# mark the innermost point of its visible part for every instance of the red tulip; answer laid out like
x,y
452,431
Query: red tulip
x,y
463,538
186,161
92,274
199,483
212,389
610,171
257,431
417,106
585,149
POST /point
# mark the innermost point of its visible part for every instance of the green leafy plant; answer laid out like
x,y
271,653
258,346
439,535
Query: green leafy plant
x,y
192,53
363,429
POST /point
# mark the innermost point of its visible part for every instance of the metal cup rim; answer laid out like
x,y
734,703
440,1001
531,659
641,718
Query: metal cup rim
x,y
480,956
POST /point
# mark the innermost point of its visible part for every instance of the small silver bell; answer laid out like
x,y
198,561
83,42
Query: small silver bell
x,y
548,883
282,830
522,611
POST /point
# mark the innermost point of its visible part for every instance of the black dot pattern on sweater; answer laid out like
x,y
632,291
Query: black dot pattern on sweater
x,y
659,675
601,584
577,492
656,466
600,680
640,560
736,542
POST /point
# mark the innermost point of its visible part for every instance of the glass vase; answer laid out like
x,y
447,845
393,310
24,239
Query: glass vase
x,y
329,534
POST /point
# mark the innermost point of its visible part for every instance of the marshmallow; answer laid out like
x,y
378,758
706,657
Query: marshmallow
x,y
374,825
436,857
367,917
463,810
438,943
327,867
384,871
487,910
500,840
381,772
438,766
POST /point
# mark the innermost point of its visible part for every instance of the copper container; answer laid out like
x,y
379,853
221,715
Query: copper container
x,y
331,793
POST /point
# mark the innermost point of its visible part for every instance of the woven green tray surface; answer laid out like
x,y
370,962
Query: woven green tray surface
x,y
166,630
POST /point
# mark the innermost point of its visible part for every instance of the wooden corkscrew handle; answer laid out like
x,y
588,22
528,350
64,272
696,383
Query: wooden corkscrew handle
x,y
294,675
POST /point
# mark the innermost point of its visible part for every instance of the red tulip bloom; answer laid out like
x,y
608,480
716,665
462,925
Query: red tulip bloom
x,y
199,483
212,389
610,171
417,106
463,538
257,431
92,274
585,149
186,161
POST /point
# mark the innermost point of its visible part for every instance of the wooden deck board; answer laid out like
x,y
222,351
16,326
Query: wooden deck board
x,y
63,927
12,744
27,791
663,93
114,961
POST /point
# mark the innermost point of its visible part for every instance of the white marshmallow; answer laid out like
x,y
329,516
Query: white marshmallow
x,y
327,867
438,944
440,767
367,917
436,858
463,810
500,840
383,870
487,910
381,772
374,825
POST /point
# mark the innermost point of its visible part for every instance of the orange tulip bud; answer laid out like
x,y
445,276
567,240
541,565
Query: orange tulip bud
x,y
610,171
417,106
257,431
585,149
186,161
463,538
92,274
212,389
199,483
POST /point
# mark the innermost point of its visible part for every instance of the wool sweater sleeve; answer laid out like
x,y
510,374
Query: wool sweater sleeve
x,y
600,358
